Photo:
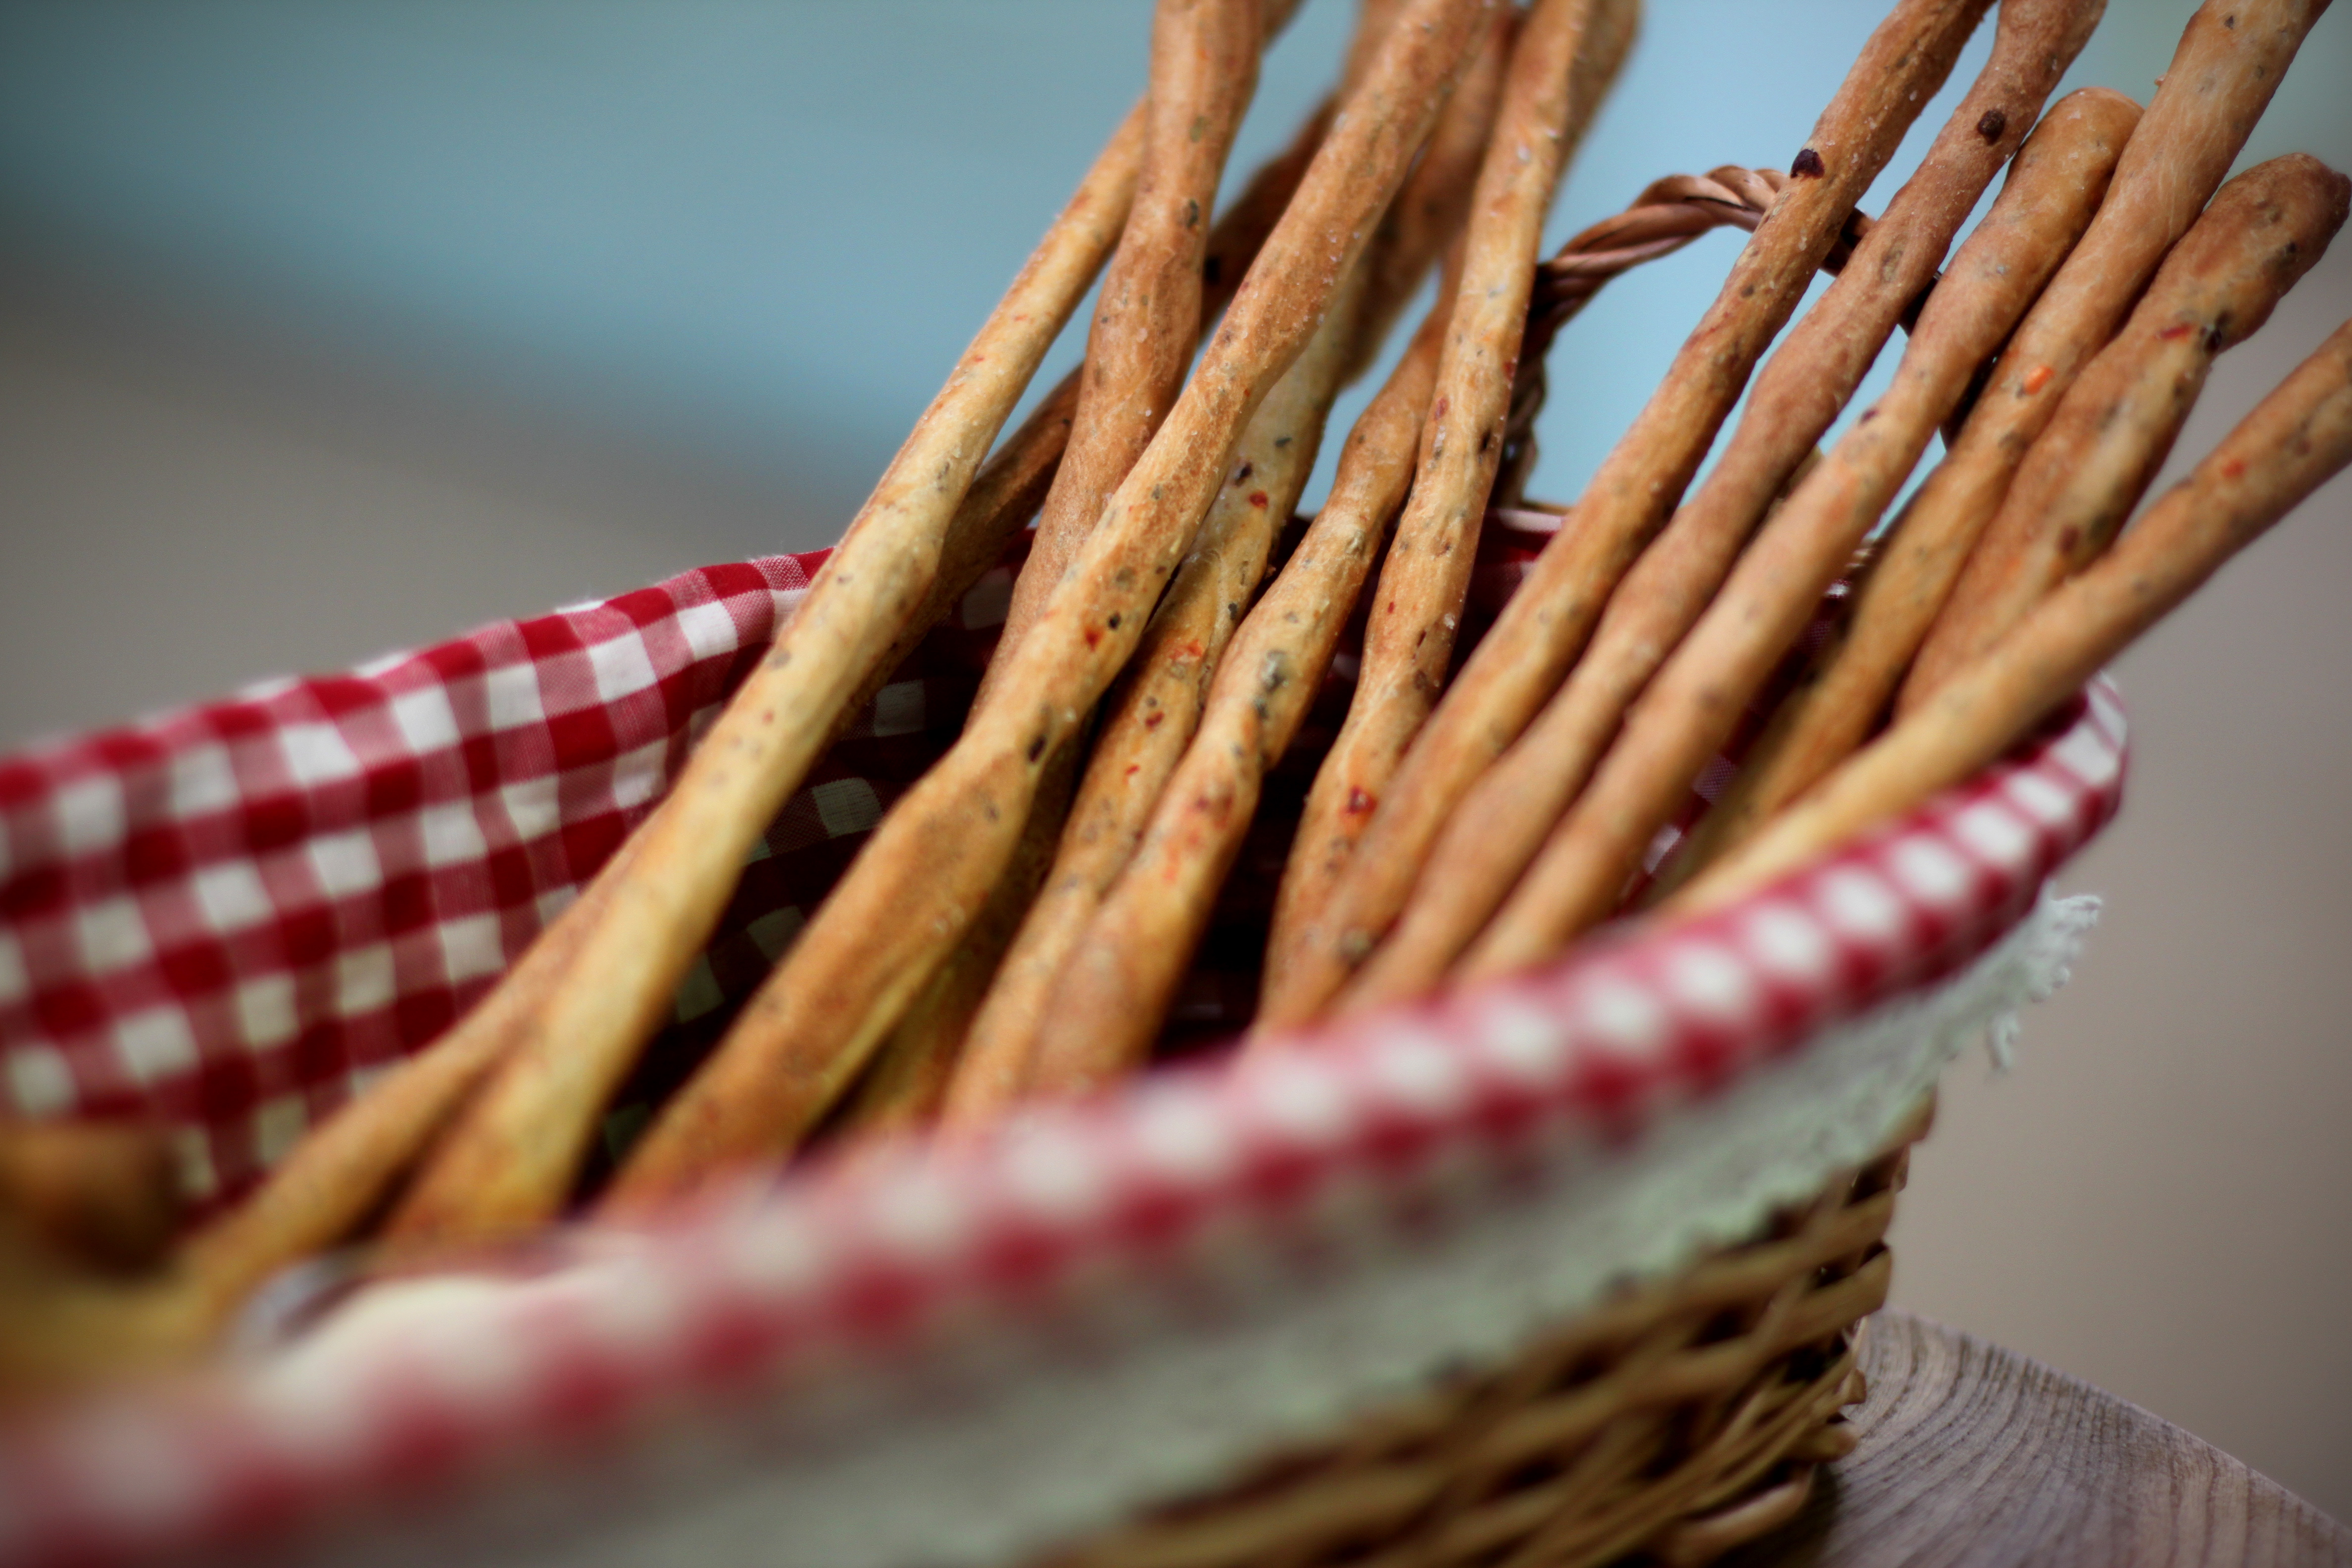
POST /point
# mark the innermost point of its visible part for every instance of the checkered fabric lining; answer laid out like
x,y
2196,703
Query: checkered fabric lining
x,y
230,919
1196,1187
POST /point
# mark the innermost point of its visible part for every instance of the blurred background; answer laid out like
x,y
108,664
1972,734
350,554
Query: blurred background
x,y
330,330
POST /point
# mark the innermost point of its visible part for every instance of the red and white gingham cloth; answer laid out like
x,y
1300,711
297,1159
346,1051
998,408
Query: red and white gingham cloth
x,y
229,917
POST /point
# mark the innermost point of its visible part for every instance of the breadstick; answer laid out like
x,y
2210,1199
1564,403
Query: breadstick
x,y
1522,659
1409,637
2229,62
1141,939
2288,447
2054,191
1520,800
1157,707
929,865
562,1049
1690,712
1146,319
2263,231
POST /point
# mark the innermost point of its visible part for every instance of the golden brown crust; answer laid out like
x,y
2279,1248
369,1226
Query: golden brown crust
x,y
1154,711
2293,442
1203,70
2262,233
1522,659
2230,60
2052,192
1560,69
929,866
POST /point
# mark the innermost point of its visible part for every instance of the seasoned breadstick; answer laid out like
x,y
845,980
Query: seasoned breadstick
x,y
929,866
1521,659
1203,70
1520,800
2053,190
2085,473
1156,708
562,1049
1409,637
2289,445
2230,60
2264,230
1142,937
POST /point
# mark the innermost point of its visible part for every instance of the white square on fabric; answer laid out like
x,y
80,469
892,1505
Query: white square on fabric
x,y
88,814
425,720
987,602
698,992
111,935
622,666
846,806
708,630
155,1044
203,781
193,1154
773,931
40,1082
277,1125
470,947
231,895
345,863
15,984
363,979
530,807
317,754
511,694
637,776
899,709
451,835
265,1011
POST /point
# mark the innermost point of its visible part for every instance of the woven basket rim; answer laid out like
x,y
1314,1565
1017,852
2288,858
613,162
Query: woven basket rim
x,y
853,1263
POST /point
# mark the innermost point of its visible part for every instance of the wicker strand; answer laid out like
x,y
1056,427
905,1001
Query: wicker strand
x,y
1668,215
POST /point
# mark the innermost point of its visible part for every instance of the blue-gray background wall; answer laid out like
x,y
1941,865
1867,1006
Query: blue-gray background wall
x,y
328,328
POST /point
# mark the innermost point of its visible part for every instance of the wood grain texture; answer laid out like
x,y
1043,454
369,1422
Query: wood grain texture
x,y
1971,1456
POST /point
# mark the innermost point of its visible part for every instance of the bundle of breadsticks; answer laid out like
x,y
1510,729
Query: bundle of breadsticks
x,y
1020,920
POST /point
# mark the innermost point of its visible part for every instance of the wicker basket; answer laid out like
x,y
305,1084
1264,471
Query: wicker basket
x,y
1683,1419
1678,1414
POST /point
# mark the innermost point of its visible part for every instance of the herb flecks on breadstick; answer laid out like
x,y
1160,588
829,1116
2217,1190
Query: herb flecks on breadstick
x,y
1523,657
1144,934
2293,442
929,867
1691,710
1156,708
1203,70
2053,190
1109,1005
2262,233
1417,609
2230,60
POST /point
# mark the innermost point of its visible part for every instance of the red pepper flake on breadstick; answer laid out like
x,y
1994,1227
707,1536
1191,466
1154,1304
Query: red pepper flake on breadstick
x,y
2262,232
2230,60
1409,637
2053,190
2085,475
1520,801
929,868
1203,70
1156,708
2293,442
1108,1009
1144,935
1521,659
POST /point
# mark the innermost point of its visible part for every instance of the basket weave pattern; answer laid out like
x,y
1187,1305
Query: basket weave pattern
x,y
1686,1418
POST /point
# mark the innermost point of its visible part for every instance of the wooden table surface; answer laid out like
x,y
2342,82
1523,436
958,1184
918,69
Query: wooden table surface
x,y
1973,1455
